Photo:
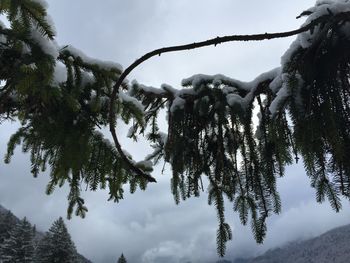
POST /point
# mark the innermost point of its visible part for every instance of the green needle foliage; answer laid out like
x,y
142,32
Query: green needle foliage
x,y
59,118
122,259
62,99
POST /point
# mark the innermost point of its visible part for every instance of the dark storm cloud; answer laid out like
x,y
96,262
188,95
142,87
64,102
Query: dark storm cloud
x,y
148,226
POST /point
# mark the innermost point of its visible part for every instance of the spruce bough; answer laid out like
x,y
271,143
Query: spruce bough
x,y
62,98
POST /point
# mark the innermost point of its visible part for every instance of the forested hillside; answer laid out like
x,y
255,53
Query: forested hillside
x,y
21,242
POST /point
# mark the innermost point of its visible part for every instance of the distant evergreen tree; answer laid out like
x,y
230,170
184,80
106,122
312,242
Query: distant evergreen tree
x,y
7,222
18,247
43,251
56,246
122,259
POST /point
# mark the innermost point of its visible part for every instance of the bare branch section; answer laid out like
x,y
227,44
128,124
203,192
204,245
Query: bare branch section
x,y
214,41
130,164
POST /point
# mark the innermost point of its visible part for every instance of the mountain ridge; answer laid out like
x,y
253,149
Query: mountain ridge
x,y
329,247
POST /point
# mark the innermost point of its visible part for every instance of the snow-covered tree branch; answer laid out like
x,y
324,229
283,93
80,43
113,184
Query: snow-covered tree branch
x,y
63,98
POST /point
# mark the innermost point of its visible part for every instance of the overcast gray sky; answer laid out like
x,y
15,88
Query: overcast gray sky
x,y
148,226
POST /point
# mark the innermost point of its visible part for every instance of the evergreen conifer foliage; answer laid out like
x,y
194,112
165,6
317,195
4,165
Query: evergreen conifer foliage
x,y
43,249
18,247
7,222
62,97
122,259
56,245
